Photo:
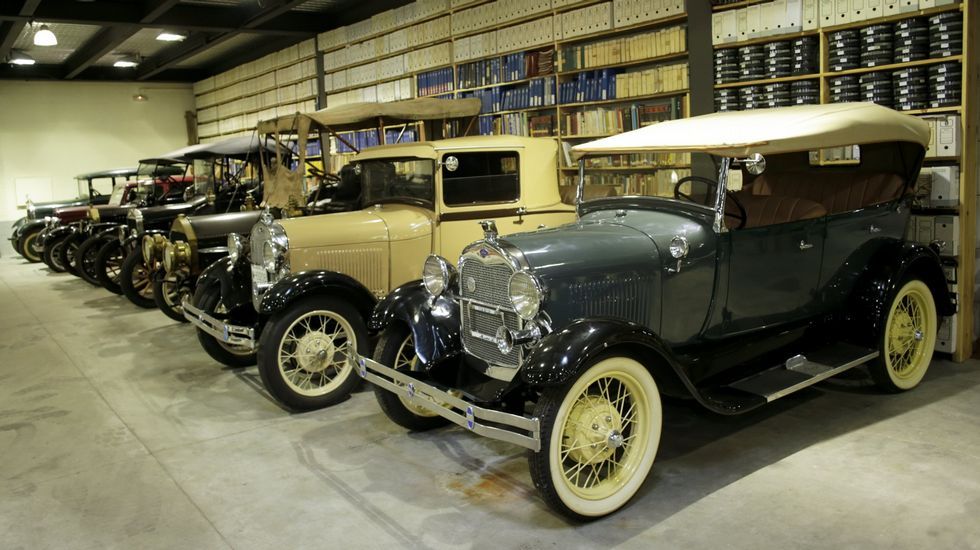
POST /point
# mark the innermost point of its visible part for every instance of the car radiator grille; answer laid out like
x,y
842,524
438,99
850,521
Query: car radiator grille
x,y
485,309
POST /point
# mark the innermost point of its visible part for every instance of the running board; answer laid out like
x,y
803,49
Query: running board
x,y
803,371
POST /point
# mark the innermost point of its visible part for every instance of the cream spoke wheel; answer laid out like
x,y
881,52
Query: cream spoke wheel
x,y
406,360
908,337
312,355
600,435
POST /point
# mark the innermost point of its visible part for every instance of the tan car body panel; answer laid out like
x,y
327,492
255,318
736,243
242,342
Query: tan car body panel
x,y
384,246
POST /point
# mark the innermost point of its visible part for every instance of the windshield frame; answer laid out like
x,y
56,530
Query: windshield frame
x,y
429,204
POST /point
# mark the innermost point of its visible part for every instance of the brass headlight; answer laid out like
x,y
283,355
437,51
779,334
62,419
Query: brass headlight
x,y
182,254
168,258
148,246
93,214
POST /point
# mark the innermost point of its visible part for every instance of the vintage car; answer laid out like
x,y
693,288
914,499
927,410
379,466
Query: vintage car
x,y
208,195
297,184
779,272
303,290
68,228
93,188
195,241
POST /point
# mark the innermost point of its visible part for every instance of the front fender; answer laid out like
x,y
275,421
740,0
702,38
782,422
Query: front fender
x,y
27,227
234,281
887,271
56,233
434,322
294,287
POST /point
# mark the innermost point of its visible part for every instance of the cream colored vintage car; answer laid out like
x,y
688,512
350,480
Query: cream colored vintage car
x,y
300,293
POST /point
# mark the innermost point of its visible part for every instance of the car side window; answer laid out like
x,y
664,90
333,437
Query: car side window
x,y
480,177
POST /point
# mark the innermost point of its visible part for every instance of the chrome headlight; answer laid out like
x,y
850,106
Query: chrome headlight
x,y
149,249
437,274
270,256
168,257
525,294
235,247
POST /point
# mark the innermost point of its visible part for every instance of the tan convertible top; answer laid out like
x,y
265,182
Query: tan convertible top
x,y
353,115
768,131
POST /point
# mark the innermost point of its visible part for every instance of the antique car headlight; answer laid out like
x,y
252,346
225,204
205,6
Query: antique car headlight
x,y
270,256
679,247
235,247
168,257
525,294
149,249
437,274
93,214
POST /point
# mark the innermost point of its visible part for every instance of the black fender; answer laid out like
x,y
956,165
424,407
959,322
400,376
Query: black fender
x,y
234,282
888,269
434,322
101,227
107,233
29,226
294,287
56,233
560,356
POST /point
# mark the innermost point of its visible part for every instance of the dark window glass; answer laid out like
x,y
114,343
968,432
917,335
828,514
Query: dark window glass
x,y
484,177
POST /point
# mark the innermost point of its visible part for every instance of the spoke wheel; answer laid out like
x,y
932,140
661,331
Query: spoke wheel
x,y
908,338
206,298
169,295
396,348
303,352
30,247
108,264
135,280
600,435
87,254
52,254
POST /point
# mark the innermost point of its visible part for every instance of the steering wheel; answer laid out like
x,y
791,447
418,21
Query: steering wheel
x,y
741,216
95,193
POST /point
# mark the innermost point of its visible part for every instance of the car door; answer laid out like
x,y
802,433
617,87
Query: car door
x,y
774,274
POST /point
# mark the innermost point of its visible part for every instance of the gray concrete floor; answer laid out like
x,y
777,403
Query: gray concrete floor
x,y
116,430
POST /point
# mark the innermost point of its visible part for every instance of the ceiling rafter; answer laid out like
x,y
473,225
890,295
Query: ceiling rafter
x,y
195,45
109,38
10,30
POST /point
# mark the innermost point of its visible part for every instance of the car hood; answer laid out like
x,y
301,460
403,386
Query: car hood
x,y
71,213
171,211
211,226
373,225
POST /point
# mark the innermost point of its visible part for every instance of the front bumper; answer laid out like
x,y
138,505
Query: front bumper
x,y
235,335
512,428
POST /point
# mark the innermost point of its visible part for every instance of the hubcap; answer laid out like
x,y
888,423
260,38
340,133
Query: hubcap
x,y
313,353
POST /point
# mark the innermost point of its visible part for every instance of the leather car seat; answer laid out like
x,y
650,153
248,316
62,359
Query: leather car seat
x,y
762,210
837,192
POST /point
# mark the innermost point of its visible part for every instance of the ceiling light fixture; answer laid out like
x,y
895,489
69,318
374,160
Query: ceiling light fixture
x,y
126,62
20,58
170,37
44,37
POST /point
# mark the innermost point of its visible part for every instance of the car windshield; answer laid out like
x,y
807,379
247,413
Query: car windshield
x,y
408,180
82,188
144,190
661,175
203,175
117,194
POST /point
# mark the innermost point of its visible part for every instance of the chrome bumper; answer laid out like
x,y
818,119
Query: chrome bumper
x,y
511,428
230,334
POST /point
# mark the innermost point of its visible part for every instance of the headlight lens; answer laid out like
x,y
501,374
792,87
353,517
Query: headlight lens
x,y
269,256
525,294
148,246
679,247
235,247
168,257
437,274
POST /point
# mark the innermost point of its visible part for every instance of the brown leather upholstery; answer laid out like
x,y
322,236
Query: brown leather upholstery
x,y
761,211
837,192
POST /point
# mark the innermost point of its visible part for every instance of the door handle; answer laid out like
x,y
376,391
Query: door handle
x,y
805,245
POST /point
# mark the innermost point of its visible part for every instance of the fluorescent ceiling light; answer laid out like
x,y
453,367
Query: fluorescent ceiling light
x,y
170,37
44,37
21,58
126,62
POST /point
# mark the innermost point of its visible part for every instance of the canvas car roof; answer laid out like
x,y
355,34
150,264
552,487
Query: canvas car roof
x,y
767,131
114,173
176,156
232,147
353,116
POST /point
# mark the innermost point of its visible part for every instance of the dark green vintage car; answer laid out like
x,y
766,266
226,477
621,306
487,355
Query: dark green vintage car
x,y
768,270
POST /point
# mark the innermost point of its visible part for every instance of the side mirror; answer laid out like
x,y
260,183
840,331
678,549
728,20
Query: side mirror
x,y
755,164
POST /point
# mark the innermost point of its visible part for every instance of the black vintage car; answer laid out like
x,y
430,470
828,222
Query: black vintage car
x,y
734,290
93,188
147,227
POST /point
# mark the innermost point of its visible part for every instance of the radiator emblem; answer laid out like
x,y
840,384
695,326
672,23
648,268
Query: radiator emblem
x,y
484,252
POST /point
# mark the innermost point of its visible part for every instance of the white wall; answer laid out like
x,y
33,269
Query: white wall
x,y
59,129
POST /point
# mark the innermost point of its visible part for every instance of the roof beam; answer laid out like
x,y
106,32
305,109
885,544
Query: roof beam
x,y
176,16
10,30
109,38
97,74
188,48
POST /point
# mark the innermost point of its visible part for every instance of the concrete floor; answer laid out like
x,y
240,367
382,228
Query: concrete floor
x,y
116,430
